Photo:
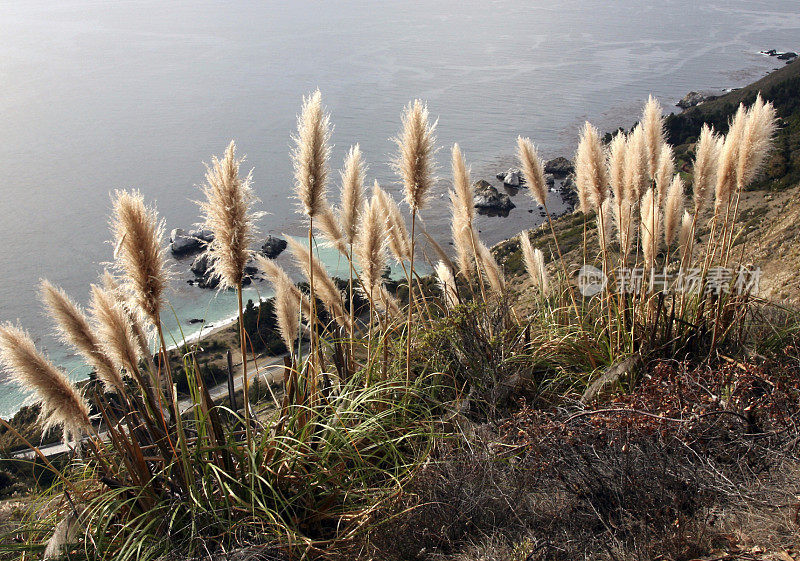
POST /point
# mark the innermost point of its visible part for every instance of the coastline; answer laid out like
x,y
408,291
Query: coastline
x,y
494,230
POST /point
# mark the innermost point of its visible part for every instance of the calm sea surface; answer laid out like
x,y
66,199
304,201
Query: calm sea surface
x,y
102,95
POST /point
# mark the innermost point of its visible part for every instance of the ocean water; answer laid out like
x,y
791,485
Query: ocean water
x,y
103,95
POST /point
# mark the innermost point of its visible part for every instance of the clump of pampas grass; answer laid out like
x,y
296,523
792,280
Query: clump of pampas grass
x,y
62,405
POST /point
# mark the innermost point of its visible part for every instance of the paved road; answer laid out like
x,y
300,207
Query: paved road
x,y
270,368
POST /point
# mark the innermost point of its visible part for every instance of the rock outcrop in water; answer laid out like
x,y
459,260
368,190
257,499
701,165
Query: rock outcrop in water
x,y
559,166
694,98
512,178
273,247
488,199
184,242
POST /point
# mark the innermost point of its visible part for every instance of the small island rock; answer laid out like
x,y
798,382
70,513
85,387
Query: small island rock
x,y
559,166
694,98
487,197
273,247
184,242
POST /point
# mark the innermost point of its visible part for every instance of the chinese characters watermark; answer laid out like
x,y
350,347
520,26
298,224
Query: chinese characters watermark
x,y
717,280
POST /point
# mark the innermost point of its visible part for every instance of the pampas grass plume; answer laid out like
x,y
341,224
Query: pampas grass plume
x,y
114,329
414,163
623,216
534,263
352,196
755,141
324,286
705,166
310,155
370,248
447,284
399,240
227,211
653,128
650,228
636,162
616,164
673,209
494,274
729,160
591,174
532,169
137,233
664,171
62,405
685,237
73,327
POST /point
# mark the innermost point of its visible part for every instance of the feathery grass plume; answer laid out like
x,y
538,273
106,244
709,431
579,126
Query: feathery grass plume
x,y
62,405
352,196
653,127
74,329
328,224
617,149
607,226
325,288
463,238
685,237
370,248
415,164
728,160
114,329
137,233
494,274
623,216
462,185
673,209
398,236
287,306
310,155
590,166
635,174
279,279
650,229
139,329
756,140
532,169
227,211
705,166
534,263
447,284
664,171
462,214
